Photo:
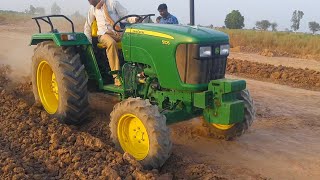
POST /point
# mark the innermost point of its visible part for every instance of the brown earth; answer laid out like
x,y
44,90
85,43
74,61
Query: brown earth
x,y
302,78
272,53
277,61
282,143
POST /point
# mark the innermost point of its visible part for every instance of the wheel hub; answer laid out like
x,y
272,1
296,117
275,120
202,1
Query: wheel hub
x,y
47,87
223,127
133,136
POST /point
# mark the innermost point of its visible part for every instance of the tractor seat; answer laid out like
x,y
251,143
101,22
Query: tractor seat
x,y
119,45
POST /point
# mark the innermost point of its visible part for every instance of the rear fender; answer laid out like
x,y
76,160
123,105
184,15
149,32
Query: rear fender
x,y
80,39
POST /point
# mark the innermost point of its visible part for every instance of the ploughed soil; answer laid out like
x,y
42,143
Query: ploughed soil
x,y
283,142
295,77
270,52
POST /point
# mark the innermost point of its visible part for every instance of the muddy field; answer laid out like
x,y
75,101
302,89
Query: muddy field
x,y
283,142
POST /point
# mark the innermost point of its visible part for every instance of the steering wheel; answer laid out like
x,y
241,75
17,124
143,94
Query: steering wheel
x,y
145,17
141,18
123,18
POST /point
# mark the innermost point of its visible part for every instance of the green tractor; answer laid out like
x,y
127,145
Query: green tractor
x,y
169,74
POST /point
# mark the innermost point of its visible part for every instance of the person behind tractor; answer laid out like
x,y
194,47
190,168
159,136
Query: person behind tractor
x,y
106,13
166,17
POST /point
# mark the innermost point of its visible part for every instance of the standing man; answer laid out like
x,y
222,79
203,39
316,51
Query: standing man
x,y
106,13
166,17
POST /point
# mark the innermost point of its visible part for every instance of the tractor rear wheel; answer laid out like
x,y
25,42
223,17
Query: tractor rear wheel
x,y
60,83
138,128
229,132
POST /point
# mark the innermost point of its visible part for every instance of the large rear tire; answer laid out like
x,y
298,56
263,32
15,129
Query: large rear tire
x,y
138,128
229,132
59,82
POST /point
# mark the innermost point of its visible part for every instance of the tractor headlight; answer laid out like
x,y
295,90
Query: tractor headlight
x,y
224,50
205,51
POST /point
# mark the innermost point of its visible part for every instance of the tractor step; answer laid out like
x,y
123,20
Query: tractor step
x,y
113,88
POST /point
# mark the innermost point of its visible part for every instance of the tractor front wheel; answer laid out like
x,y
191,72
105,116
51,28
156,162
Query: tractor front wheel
x,y
60,83
138,128
229,132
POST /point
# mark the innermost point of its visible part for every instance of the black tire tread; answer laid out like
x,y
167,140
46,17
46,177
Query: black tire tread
x,y
74,107
155,123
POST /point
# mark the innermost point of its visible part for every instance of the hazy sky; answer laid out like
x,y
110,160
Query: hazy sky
x,y
207,11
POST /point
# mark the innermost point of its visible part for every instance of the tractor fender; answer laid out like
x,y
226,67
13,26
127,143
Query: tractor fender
x,y
76,39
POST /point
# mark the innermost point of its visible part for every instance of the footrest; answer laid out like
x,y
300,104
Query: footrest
x,y
113,88
117,72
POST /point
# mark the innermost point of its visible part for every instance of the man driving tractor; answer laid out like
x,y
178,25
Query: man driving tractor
x,y
106,13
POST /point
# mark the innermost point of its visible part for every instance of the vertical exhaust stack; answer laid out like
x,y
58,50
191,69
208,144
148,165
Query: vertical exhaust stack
x,y
192,12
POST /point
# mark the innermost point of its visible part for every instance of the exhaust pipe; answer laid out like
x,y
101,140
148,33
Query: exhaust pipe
x,y
192,12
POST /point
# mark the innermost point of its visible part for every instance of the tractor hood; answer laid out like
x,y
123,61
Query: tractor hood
x,y
185,34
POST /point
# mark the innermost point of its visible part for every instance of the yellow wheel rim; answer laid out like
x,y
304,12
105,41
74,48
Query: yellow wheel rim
x,y
47,87
133,136
222,127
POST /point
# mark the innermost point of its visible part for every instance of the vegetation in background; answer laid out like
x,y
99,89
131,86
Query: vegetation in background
x,y
9,17
35,10
55,8
274,26
234,20
314,27
265,25
283,43
296,18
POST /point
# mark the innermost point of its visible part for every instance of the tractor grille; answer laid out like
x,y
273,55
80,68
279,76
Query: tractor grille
x,y
193,70
212,69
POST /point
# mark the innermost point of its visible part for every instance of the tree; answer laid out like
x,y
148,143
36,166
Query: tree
x,y
76,14
55,8
40,11
31,10
296,18
274,26
314,27
263,25
234,20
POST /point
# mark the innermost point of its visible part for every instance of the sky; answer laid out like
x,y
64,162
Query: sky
x,y
206,11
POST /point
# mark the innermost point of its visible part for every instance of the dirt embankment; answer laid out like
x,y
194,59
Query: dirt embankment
x,y
302,78
273,53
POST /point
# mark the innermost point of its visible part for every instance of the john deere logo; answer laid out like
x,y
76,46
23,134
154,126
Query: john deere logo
x,y
217,50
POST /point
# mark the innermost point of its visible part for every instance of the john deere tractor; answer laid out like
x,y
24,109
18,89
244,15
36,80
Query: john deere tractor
x,y
169,74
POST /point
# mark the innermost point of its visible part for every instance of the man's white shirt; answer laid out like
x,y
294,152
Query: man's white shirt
x,y
115,10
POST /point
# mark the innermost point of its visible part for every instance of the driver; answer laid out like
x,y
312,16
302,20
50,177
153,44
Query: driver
x,y
106,13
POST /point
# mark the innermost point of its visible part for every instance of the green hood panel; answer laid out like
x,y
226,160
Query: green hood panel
x,y
186,34
156,44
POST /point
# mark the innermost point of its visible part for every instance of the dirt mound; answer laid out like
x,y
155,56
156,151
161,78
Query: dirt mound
x,y
303,78
273,53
